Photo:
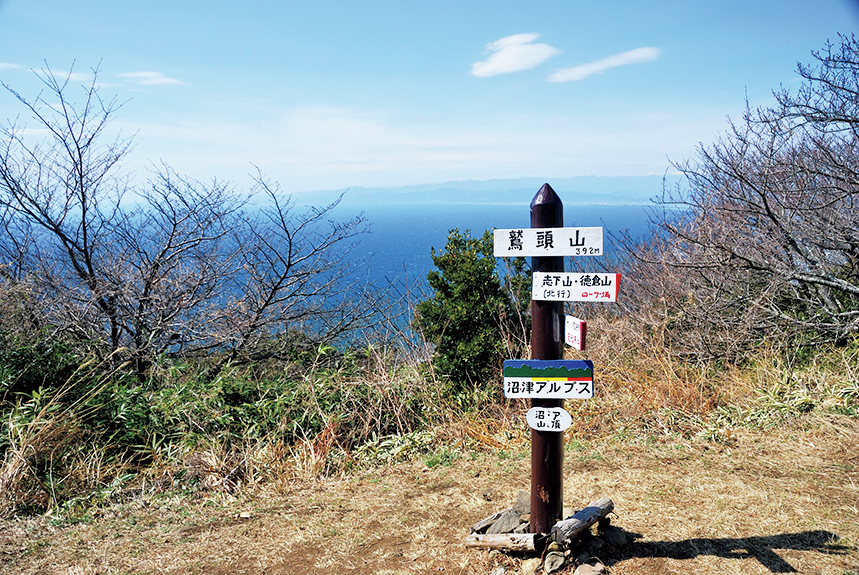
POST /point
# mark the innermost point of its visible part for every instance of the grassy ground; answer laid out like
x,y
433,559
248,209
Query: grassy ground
x,y
778,501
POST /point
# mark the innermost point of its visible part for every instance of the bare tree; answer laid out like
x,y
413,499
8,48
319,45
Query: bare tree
x,y
766,229
176,267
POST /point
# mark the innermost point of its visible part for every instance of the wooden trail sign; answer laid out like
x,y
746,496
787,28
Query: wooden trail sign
x,y
549,379
561,286
542,242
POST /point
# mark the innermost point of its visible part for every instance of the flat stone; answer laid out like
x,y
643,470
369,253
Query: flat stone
x,y
484,524
593,568
523,503
530,566
553,562
523,528
508,521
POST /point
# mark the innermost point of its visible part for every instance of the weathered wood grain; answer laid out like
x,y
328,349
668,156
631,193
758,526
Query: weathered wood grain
x,y
568,529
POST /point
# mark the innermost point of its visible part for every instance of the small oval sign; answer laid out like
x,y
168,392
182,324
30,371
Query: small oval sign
x,y
549,418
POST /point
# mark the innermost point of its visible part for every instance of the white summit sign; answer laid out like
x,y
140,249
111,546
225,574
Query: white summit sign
x,y
538,242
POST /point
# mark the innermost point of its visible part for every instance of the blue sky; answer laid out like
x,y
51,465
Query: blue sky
x,y
329,95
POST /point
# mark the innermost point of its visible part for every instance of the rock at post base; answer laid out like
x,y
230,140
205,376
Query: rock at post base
x,y
523,503
595,568
508,521
530,566
553,562
523,528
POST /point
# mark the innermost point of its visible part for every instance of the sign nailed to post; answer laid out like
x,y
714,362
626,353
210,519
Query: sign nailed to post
x,y
562,286
548,418
543,242
575,332
549,379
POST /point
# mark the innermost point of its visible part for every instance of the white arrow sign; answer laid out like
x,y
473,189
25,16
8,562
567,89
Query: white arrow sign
x,y
560,286
549,418
548,242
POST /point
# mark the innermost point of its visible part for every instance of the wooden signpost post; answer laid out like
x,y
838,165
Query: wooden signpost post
x,y
546,378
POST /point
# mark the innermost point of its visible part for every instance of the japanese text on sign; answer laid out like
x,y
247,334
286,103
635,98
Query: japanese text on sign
x,y
548,418
560,286
515,387
548,242
549,379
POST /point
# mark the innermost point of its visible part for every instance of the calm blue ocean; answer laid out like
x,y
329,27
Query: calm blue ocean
x,y
402,237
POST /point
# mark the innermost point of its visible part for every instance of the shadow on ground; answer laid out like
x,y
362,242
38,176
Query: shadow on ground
x,y
761,548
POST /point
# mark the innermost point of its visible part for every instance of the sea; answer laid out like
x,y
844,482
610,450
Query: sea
x,y
401,238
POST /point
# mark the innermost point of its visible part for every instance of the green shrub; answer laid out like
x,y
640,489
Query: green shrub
x,y
473,314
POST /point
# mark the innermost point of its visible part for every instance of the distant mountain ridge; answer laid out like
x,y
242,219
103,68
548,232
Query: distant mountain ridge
x,y
579,190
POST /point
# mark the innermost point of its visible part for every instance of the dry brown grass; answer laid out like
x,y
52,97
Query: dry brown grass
x,y
785,500
745,470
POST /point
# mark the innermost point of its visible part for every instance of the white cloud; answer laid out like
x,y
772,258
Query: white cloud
x,y
149,78
7,66
511,54
584,70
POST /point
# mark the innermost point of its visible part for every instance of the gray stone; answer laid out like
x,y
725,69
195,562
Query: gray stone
x,y
614,538
553,562
484,524
530,566
508,521
523,528
523,503
593,568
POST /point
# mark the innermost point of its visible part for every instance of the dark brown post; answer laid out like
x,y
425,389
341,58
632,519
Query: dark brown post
x,y
547,317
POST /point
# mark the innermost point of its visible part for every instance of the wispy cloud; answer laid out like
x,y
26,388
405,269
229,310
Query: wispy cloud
x,y
7,66
149,78
598,67
512,54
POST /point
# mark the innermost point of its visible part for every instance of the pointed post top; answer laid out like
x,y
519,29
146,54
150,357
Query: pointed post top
x,y
547,210
545,195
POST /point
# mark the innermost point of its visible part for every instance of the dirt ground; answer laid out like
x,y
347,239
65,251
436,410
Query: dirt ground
x,y
784,501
